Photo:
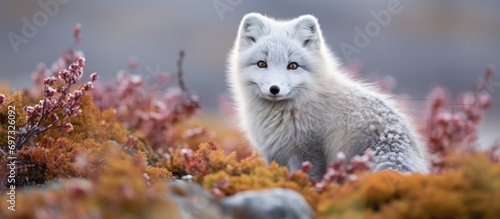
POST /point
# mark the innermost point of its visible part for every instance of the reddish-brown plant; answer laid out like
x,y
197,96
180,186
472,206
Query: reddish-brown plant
x,y
453,126
148,106
58,103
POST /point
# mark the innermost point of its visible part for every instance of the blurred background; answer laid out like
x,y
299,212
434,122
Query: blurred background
x,y
420,43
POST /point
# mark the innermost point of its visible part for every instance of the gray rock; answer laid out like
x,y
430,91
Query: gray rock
x,y
196,203
271,203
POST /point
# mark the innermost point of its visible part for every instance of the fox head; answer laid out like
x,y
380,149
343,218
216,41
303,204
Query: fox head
x,y
277,60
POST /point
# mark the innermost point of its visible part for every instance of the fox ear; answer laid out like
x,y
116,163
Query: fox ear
x,y
252,27
306,30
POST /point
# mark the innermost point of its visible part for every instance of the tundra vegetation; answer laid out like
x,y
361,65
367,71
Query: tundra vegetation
x,y
88,149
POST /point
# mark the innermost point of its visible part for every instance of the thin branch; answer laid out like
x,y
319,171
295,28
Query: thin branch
x,y
180,74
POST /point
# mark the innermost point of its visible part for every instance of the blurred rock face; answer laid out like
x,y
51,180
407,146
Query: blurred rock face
x,y
195,202
270,203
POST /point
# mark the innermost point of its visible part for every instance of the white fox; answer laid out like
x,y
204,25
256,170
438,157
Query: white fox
x,y
296,104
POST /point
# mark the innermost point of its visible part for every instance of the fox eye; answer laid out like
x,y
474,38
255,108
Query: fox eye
x,y
292,66
261,64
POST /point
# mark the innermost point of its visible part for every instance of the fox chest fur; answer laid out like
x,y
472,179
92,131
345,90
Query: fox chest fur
x,y
289,135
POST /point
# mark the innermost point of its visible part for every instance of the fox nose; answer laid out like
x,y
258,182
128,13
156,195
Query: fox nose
x,y
274,89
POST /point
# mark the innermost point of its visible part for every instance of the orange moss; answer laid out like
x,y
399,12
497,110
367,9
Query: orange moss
x,y
15,100
97,170
472,189
225,175
79,153
118,189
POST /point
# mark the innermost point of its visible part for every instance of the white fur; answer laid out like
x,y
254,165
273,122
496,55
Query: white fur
x,y
319,110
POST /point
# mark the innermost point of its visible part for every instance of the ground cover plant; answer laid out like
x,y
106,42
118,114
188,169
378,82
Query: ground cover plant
x,y
80,153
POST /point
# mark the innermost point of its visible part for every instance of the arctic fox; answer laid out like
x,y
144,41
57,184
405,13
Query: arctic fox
x,y
296,104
